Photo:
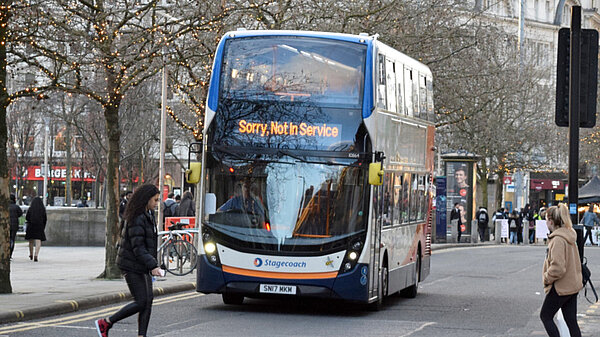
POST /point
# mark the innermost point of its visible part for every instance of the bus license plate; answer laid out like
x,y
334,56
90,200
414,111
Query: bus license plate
x,y
277,289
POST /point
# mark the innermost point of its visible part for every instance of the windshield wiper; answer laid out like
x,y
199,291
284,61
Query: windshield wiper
x,y
237,156
329,163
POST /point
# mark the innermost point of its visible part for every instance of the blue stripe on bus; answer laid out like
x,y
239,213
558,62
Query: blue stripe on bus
x,y
349,286
215,77
209,278
369,69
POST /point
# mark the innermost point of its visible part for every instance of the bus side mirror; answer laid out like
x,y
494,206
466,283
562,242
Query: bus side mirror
x,y
192,175
375,174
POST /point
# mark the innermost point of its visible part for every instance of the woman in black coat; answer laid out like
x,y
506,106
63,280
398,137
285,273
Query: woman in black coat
x,y
36,225
137,259
187,206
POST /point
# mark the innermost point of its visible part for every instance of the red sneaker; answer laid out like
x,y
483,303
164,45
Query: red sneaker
x,y
102,327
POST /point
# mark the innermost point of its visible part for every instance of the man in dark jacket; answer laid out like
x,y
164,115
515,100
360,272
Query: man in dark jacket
x,y
123,203
169,206
483,220
15,213
455,215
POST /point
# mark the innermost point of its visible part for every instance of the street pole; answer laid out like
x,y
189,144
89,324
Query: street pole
x,y
163,136
16,146
521,36
574,122
45,170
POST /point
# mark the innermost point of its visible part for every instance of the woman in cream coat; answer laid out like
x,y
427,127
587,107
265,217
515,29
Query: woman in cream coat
x,y
562,272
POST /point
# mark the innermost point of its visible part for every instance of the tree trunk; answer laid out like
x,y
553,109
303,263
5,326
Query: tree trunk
x,y
5,286
499,189
111,116
484,183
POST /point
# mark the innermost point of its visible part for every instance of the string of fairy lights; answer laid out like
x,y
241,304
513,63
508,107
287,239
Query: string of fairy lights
x,y
124,65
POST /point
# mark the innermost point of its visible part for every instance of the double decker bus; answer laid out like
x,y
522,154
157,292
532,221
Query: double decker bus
x,y
317,164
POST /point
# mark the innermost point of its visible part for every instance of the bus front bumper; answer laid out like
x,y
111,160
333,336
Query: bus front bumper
x,y
351,286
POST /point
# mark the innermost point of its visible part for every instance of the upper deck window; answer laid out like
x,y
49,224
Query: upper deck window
x,y
318,71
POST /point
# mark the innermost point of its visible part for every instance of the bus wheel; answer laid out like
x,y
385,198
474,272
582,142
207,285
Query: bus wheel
x,y
411,292
232,298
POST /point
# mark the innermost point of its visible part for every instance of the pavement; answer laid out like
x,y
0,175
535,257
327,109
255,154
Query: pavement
x,y
66,280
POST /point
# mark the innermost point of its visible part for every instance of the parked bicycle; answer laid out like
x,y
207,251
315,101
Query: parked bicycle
x,y
176,251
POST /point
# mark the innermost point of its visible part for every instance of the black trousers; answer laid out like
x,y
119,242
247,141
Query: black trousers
x,y
588,233
13,237
568,305
482,234
140,286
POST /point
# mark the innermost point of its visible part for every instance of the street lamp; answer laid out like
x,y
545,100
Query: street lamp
x,y
16,147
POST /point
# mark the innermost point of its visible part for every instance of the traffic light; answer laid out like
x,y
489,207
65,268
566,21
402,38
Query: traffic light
x,y
588,91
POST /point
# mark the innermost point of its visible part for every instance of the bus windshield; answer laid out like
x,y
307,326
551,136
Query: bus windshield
x,y
323,72
283,201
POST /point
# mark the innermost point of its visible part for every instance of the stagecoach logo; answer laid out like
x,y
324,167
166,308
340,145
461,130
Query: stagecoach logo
x,y
329,262
268,263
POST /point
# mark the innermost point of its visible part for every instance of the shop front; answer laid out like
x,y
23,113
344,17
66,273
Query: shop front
x,y
546,191
31,184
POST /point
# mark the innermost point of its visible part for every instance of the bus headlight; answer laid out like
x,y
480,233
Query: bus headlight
x,y
352,255
210,248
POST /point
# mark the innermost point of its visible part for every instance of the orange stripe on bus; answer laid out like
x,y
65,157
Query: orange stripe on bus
x,y
272,274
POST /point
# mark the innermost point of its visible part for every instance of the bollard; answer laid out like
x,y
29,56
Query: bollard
x,y
454,230
474,231
525,232
498,231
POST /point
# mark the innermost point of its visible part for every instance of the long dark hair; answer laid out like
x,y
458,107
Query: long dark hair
x,y
37,208
139,200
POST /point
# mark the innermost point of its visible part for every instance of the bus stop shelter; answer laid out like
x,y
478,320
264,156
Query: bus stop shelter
x,y
590,192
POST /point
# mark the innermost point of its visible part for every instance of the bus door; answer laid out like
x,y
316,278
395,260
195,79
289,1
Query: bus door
x,y
375,246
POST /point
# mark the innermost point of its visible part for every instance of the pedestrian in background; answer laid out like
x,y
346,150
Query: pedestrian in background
x,y
168,207
536,216
455,215
123,204
512,226
187,206
36,227
499,215
136,258
562,272
520,216
15,212
589,220
483,220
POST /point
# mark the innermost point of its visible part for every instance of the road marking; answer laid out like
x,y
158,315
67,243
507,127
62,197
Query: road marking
x,y
418,329
62,322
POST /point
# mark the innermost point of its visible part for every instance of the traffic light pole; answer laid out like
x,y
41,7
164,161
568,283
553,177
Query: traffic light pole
x,y
574,97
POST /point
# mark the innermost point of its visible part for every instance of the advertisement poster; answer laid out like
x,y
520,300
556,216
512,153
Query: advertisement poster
x,y
440,212
459,191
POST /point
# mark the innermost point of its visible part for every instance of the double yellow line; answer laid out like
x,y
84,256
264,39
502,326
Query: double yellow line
x,y
19,327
